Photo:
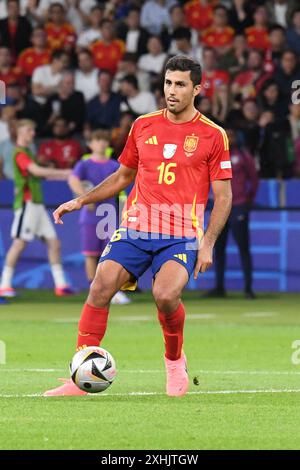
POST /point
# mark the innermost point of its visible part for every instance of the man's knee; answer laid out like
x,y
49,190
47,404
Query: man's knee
x,y
166,297
18,244
54,244
101,292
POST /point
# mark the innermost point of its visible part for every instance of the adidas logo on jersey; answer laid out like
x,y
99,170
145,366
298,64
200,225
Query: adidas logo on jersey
x,y
152,140
182,257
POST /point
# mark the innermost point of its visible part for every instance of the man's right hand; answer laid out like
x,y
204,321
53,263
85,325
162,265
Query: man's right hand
x,y
70,206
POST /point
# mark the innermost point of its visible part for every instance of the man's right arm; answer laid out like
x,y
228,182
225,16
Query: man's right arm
x,y
106,189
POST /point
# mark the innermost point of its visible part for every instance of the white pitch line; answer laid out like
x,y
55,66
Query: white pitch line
x,y
260,314
133,318
139,394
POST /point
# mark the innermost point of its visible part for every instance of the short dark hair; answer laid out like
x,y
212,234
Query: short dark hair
x,y
185,64
58,53
132,80
182,33
276,27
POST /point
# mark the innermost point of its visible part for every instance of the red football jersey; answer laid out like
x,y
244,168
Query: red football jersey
x,y
176,163
58,36
107,56
257,38
217,38
30,59
198,16
63,154
213,80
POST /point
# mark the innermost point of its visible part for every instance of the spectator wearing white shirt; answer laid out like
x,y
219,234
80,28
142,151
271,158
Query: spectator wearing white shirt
x,y
93,31
155,15
134,36
46,78
86,76
154,61
135,101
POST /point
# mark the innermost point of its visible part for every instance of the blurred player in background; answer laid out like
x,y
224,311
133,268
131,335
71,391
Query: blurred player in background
x,y
86,174
174,155
30,217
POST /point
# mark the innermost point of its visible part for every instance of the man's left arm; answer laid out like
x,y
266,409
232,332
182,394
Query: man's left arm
x,y
219,215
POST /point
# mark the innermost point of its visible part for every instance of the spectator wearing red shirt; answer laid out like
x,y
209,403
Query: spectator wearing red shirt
x,y
108,51
212,77
59,31
258,35
33,57
219,35
249,82
8,74
15,30
61,151
198,14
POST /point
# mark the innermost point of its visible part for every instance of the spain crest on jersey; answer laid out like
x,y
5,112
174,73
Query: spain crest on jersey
x,y
190,144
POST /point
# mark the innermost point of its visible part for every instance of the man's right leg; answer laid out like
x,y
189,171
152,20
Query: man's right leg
x,y
109,278
6,289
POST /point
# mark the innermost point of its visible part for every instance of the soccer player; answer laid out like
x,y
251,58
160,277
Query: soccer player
x,y
31,218
86,174
174,155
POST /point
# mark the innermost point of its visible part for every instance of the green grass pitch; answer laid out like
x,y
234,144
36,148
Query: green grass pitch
x,y
240,351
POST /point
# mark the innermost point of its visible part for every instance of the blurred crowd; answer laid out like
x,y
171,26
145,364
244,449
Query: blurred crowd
x,y
76,66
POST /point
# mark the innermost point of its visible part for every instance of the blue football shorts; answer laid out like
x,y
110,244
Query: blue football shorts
x,y
137,251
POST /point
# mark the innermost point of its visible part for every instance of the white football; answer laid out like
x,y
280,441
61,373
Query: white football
x,y
93,369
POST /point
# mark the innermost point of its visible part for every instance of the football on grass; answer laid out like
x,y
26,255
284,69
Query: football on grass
x,y
93,369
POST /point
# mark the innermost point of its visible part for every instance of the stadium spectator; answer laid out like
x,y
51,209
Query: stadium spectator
x,y
270,99
280,11
62,151
235,60
93,31
154,60
46,78
219,35
248,83
293,32
35,56
247,126
59,32
155,15
135,101
67,103
178,20
128,66
86,76
15,30
134,36
240,16
277,152
287,72
257,35
119,134
103,111
8,73
183,44
220,103
212,77
277,46
30,216
244,187
198,14
108,51
294,121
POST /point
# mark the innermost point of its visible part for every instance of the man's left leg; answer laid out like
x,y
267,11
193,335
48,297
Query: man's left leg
x,y
167,288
